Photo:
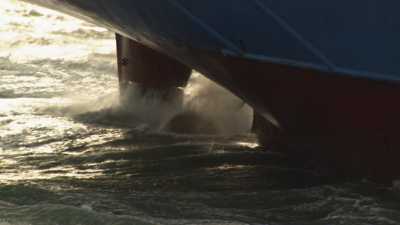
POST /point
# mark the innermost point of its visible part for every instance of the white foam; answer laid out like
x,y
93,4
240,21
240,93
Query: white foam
x,y
228,113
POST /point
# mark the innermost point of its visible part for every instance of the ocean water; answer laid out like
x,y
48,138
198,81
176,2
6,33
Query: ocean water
x,y
71,154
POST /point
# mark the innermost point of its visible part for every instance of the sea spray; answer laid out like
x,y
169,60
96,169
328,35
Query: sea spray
x,y
230,114
66,157
202,107
75,62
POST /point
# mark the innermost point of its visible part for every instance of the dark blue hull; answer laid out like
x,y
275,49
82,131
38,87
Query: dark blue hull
x,y
354,38
320,70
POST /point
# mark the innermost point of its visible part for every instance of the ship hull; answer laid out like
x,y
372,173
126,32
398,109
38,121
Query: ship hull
x,y
325,74
338,125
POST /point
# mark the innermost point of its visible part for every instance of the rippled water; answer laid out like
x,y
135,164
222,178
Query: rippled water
x,y
69,154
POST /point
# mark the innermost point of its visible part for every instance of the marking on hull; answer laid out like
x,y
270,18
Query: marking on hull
x,y
211,31
293,32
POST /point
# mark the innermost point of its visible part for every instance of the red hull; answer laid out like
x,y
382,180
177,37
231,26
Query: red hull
x,y
354,119
346,124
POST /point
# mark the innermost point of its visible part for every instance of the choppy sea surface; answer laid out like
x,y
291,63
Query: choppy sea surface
x,y
71,154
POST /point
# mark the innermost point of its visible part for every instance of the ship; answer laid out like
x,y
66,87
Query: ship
x,y
323,76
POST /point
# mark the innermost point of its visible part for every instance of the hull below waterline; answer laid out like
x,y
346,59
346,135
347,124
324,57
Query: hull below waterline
x,y
350,130
325,73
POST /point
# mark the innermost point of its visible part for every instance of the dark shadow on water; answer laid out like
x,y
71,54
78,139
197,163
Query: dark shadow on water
x,y
145,161
202,177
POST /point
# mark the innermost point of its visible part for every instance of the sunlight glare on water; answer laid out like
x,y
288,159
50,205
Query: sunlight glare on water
x,y
34,33
71,154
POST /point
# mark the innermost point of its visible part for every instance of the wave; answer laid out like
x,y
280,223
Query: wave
x,y
57,214
203,108
86,33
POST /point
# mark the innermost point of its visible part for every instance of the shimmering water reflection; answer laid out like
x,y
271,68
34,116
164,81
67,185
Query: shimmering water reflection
x,y
69,154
